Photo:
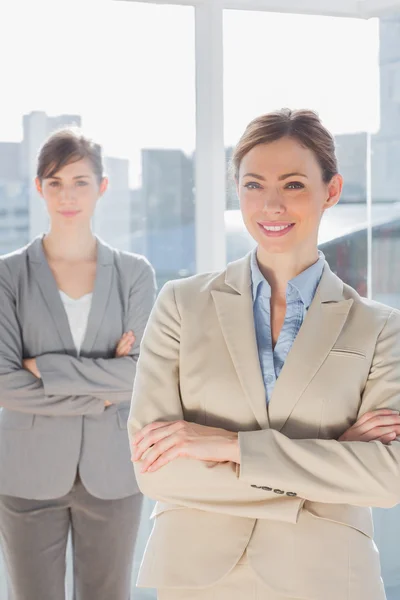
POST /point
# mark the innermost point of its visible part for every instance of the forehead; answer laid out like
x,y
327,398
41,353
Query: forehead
x,y
74,169
282,156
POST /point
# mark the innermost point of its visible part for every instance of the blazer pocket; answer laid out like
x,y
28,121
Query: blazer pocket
x,y
357,517
122,416
348,352
11,419
162,507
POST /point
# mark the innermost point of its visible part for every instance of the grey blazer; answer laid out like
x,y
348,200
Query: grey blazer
x,y
52,426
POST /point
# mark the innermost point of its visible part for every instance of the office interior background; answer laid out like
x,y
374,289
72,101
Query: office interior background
x,y
167,88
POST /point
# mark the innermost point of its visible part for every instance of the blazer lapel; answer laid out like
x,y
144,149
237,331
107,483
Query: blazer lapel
x,y
101,294
321,328
51,296
235,314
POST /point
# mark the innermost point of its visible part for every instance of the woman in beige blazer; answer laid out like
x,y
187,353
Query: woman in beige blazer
x,y
266,403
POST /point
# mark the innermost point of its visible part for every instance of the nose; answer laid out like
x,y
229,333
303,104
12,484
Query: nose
x,y
273,203
67,194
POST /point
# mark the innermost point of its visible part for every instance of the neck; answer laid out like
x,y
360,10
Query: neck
x,y
279,269
74,244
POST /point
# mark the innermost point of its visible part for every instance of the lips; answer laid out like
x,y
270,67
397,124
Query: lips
x,y
276,229
69,213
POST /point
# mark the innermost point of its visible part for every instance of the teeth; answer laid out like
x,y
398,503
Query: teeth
x,y
276,227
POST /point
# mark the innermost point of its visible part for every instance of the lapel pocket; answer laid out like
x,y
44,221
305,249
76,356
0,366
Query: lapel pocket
x,y
348,352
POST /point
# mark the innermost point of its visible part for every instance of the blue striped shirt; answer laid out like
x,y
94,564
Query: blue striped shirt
x,y
299,295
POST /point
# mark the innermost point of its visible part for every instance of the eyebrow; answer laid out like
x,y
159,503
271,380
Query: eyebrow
x,y
77,177
281,177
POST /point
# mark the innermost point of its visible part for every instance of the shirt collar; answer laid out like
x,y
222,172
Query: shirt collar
x,y
302,287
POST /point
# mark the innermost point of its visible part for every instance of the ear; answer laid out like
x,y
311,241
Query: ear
x,y
38,185
104,185
334,189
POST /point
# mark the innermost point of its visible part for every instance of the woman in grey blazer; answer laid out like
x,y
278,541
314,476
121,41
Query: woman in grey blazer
x,y
72,315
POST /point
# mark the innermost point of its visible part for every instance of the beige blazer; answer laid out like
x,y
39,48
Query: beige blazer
x,y
300,500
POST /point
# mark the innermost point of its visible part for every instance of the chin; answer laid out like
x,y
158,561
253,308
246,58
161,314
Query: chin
x,y
275,248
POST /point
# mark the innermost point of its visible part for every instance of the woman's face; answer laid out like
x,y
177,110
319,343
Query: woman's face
x,y
283,196
72,193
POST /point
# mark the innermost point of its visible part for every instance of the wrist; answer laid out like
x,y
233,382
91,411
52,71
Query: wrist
x,y
234,448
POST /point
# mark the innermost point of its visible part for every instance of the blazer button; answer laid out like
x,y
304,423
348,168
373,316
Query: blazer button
x,y
291,494
279,492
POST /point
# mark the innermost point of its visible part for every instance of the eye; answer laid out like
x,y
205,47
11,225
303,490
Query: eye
x,y
252,185
295,185
54,183
82,183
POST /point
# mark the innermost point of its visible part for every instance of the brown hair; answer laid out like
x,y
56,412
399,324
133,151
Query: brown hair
x,y
302,125
66,146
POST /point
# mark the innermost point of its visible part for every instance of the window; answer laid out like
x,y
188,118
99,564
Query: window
x,y
134,94
125,72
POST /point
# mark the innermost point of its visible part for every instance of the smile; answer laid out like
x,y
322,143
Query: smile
x,y
276,230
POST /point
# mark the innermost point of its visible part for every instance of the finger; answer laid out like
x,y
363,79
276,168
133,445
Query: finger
x,y
378,421
158,450
128,335
125,340
374,413
124,348
149,428
378,432
386,439
120,344
164,459
154,438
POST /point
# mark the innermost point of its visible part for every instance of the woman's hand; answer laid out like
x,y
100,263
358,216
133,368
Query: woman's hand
x,y
381,425
30,365
167,441
125,344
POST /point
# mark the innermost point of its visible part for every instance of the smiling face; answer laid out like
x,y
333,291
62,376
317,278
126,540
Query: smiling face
x,y
283,197
71,194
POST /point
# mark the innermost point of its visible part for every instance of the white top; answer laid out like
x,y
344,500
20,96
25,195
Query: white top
x,y
78,313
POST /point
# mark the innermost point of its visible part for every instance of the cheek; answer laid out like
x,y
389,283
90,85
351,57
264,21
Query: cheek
x,y
250,203
88,200
305,208
51,200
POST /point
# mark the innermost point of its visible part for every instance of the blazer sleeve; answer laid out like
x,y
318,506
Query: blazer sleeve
x,y
19,389
358,473
156,397
104,378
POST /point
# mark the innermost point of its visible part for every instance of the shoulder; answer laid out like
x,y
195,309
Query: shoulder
x,y
14,263
202,283
128,264
192,293
17,256
370,311
198,290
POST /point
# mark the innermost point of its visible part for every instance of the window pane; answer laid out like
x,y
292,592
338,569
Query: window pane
x,y
385,168
385,146
125,72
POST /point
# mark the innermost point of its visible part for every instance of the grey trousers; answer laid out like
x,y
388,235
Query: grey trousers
x,y
34,535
